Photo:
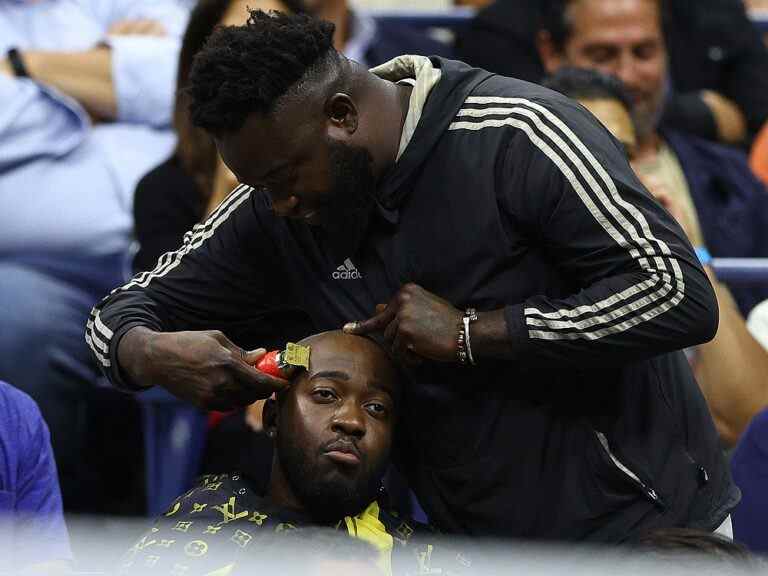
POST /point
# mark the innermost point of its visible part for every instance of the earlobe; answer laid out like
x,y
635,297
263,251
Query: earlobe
x,y
342,113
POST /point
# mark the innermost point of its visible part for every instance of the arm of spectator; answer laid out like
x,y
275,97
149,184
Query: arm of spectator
x,y
729,119
112,81
732,370
162,17
85,76
132,75
36,121
706,114
145,38
41,537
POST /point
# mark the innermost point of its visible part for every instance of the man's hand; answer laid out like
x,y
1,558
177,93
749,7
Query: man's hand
x,y
416,324
5,67
203,368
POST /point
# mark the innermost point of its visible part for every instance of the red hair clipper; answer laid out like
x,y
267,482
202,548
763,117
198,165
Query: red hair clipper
x,y
283,363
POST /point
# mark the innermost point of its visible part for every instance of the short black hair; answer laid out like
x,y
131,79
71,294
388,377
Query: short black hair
x,y
246,69
588,84
555,20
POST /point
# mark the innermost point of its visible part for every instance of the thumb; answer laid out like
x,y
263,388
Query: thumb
x,y
252,357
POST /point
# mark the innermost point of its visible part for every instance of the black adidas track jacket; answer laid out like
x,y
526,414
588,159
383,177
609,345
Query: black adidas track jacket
x,y
508,196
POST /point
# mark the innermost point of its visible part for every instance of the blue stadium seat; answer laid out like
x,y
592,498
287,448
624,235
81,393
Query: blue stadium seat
x,y
174,440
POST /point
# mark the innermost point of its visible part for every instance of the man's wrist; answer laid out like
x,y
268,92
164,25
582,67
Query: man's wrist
x,y
131,355
490,337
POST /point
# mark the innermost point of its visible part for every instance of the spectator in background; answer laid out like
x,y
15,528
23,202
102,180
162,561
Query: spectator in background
x,y
725,204
86,96
33,534
370,42
732,368
717,63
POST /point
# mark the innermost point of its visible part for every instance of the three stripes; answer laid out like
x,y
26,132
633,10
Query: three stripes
x,y
97,334
664,286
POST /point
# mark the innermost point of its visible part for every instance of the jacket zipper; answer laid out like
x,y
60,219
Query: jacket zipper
x,y
647,490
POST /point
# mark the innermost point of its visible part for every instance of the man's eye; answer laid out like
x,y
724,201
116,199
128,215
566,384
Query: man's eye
x,y
376,408
324,394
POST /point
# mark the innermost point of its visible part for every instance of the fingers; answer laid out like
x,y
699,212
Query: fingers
x,y
375,324
252,357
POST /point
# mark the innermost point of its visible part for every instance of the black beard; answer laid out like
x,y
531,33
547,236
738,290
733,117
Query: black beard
x,y
324,500
351,199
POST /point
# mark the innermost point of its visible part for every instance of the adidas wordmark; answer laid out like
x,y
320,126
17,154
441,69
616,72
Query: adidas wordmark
x,y
347,271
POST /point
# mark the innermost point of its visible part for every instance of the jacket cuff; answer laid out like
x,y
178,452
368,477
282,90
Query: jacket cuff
x,y
144,98
517,331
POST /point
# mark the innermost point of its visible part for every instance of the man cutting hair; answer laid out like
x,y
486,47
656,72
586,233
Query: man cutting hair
x,y
503,246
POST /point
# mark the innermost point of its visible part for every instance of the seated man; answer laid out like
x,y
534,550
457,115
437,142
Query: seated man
x,y
33,535
333,428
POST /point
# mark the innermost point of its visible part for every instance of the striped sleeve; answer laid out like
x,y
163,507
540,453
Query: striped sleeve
x,y
638,289
206,284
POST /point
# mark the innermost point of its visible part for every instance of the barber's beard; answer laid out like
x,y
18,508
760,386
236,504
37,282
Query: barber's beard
x,y
325,500
351,199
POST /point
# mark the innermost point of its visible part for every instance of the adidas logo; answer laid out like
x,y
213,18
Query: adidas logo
x,y
347,271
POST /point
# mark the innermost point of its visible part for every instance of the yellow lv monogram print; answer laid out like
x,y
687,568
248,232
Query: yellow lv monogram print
x,y
228,512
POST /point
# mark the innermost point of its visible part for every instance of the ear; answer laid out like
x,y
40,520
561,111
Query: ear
x,y
550,56
270,417
343,116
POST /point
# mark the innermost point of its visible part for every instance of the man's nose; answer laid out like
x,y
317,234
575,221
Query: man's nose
x,y
627,71
349,419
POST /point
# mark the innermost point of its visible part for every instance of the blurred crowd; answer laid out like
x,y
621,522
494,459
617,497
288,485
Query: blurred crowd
x,y
102,172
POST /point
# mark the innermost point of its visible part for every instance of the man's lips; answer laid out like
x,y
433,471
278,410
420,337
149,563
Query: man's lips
x,y
343,452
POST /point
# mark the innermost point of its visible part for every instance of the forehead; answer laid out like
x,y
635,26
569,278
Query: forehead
x,y
614,116
361,359
614,21
267,141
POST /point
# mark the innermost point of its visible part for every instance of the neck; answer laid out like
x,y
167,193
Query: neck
x,y
389,107
279,491
649,146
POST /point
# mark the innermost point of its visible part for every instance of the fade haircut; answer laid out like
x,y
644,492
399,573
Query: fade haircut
x,y
247,69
